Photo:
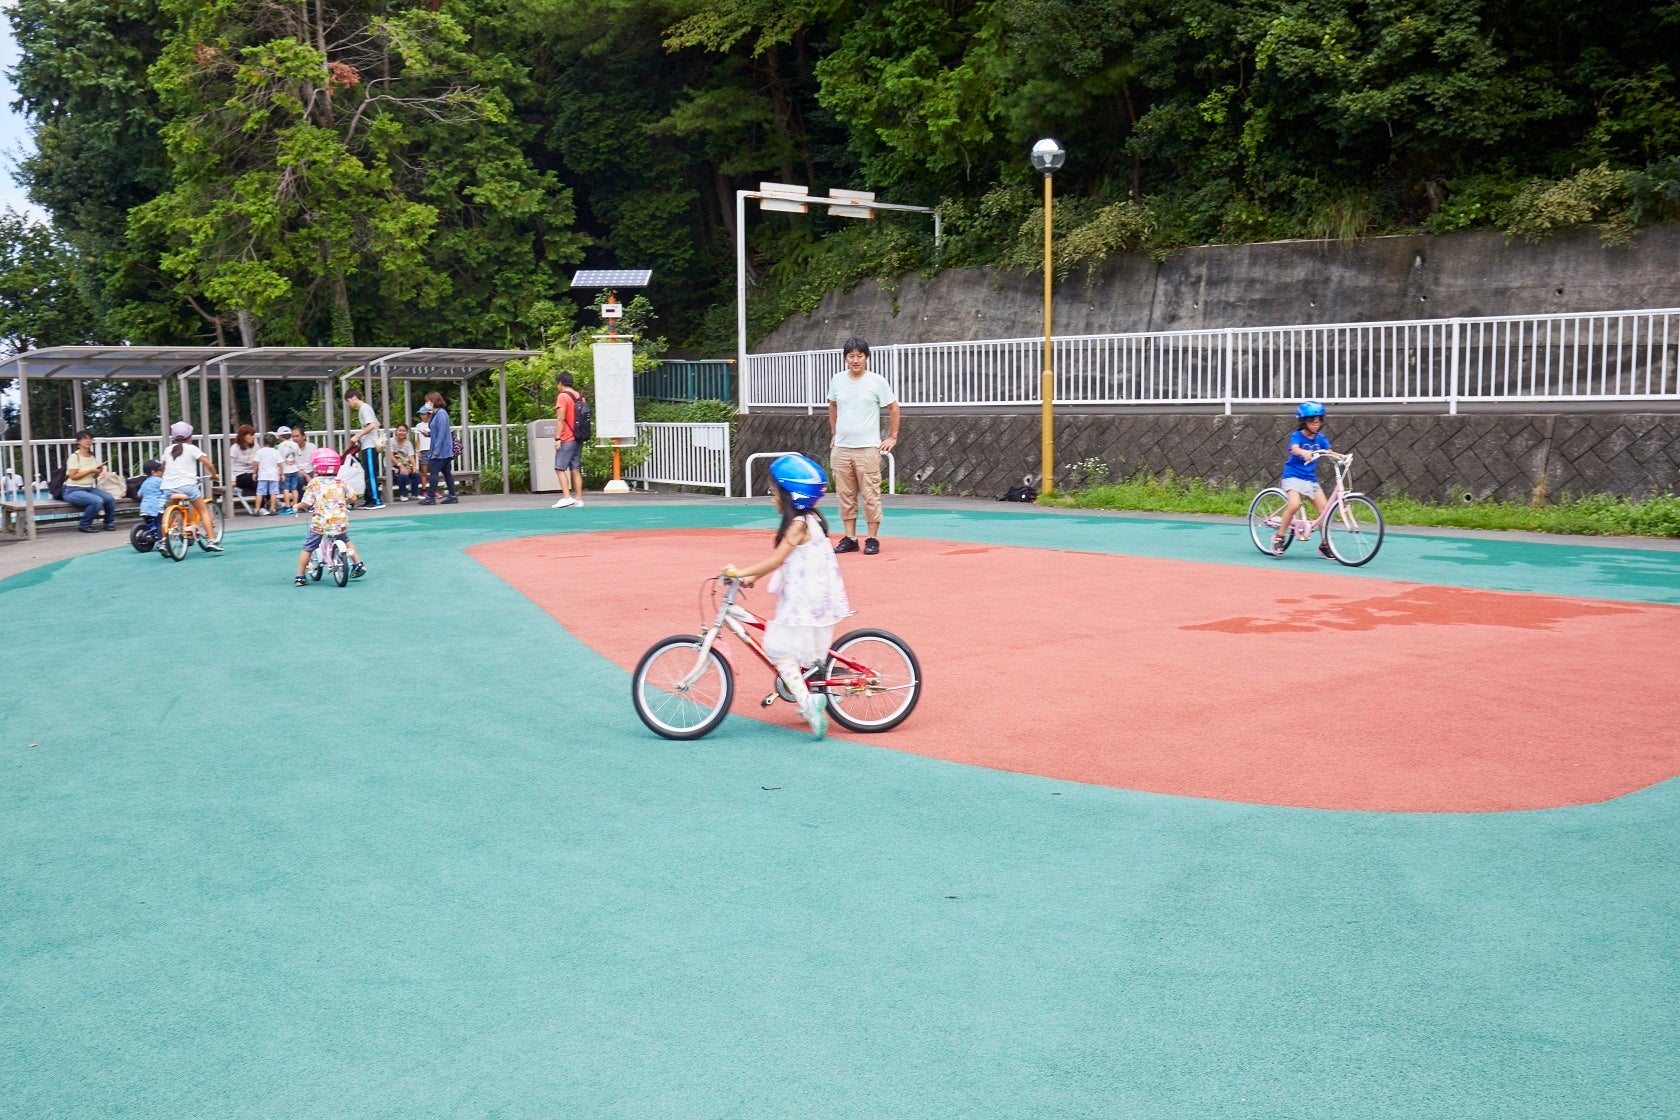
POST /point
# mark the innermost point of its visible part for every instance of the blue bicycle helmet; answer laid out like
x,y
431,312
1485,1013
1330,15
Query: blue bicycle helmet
x,y
1309,409
801,477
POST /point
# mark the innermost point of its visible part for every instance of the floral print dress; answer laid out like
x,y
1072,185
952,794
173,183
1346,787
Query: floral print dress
x,y
810,600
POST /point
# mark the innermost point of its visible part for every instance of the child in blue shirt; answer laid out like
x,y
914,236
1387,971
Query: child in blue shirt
x,y
151,498
1300,475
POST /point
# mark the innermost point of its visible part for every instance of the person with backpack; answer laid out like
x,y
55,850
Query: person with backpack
x,y
441,459
81,485
573,424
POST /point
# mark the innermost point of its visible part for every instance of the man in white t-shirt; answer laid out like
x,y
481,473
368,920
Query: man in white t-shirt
x,y
367,439
856,396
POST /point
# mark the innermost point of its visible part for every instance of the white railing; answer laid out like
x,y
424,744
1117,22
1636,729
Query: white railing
x,y
684,455
1614,357
680,454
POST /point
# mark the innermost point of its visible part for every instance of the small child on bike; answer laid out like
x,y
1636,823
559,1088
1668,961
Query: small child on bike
x,y
151,497
810,595
180,478
1300,476
329,502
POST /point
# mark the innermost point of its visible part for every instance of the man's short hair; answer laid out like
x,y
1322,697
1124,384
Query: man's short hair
x,y
565,379
353,395
854,344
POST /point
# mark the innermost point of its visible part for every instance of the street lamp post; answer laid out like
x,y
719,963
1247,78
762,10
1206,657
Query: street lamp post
x,y
1047,156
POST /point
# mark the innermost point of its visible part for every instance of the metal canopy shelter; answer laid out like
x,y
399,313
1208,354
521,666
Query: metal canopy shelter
x,y
79,364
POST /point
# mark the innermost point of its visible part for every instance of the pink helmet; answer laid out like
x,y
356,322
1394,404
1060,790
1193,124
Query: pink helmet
x,y
324,461
180,430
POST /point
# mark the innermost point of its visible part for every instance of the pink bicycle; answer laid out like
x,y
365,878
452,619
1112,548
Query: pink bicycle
x,y
683,685
1355,524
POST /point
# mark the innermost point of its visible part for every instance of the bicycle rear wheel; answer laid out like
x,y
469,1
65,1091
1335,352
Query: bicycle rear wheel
x,y
1265,519
1355,531
874,681
671,708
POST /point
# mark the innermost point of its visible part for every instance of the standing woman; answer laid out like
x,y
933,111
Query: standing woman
x,y
443,449
81,485
242,459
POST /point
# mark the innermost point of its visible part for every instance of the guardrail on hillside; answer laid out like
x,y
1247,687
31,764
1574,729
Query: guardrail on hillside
x,y
1615,356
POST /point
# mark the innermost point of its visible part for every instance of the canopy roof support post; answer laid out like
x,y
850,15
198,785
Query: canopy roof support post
x,y
259,404
327,393
28,449
163,415
226,387
466,428
203,401
501,384
77,412
385,411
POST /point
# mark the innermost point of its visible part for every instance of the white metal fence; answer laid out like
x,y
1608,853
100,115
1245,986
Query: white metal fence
x,y
684,455
680,454
1615,357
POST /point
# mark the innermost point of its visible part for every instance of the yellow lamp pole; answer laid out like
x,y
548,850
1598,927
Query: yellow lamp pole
x,y
1047,156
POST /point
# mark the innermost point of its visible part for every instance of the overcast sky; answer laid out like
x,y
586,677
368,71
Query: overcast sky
x,y
14,137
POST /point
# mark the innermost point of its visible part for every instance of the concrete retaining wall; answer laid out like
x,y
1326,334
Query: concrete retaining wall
x,y
1436,458
1282,283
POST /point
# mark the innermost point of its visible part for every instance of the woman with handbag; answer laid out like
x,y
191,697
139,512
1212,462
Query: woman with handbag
x,y
81,485
443,449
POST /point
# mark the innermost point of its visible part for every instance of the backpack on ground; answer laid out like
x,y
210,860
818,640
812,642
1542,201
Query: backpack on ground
x,y
1019,494
583,420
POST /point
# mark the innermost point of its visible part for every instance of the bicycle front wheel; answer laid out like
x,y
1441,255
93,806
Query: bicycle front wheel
x,y
874,681
215,522
1265,519
1355,531
175,535
340,567
679,695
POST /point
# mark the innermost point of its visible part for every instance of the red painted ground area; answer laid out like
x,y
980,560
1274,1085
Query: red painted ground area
x,y
1279,687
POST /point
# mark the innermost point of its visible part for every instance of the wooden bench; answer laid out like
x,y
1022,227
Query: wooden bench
x,y
14,514
466,482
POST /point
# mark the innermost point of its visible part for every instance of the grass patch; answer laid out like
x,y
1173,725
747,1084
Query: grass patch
x,y
1598,515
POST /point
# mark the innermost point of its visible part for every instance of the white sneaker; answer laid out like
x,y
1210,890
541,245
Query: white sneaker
x,y
577,502
263,513
815,711
564,502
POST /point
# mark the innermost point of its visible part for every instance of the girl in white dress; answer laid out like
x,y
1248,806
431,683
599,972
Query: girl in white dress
x,y
810,595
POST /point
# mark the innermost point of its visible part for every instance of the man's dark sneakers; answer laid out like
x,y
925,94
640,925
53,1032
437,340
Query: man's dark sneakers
x,y
847,544
448,501
871,546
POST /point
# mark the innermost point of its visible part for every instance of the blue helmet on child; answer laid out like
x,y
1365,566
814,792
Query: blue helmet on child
x,y
801,477
1308,410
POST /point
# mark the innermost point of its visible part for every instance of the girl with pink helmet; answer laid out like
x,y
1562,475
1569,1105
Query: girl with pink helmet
x,y
180,477
328,502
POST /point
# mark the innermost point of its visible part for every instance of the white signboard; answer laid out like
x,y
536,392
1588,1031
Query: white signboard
x,y
615,391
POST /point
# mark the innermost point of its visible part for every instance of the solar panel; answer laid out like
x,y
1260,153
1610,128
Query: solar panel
x,y
612,278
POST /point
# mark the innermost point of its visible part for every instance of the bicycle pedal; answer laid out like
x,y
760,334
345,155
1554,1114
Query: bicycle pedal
x,y
767,701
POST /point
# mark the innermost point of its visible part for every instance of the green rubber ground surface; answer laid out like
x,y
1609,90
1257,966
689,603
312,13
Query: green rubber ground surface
x,y
404,850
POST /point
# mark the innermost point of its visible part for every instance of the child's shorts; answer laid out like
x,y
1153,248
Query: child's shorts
x,y
267,486
192,491
313,540
1302,486
294,482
